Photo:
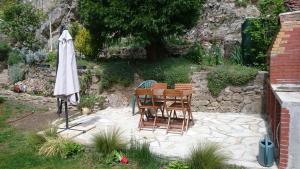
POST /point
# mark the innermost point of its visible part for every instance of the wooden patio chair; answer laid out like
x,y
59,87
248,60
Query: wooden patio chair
x,y
176,98
145,101
186,86
160,102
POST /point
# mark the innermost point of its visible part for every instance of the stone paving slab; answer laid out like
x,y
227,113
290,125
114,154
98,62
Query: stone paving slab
x,y
237,134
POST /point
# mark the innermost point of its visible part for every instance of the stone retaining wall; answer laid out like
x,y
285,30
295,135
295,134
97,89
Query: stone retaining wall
x,y
248,98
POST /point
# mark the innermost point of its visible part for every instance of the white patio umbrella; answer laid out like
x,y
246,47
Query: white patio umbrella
x,y
67,83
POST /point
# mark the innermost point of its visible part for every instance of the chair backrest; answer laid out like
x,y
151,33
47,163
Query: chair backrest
x,y
144,95
183,86
173,93
160,86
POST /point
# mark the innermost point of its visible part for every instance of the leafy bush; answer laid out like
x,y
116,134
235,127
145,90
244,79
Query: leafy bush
x,y
21,20
196,53
85,82
15,57
89,101
60,147
236,56
143,156
169,70
74,29
262,31
176,40
2,100
35,140
206,156
83,42
33,57
116,72
16,72
4,51
177,165
107,141
51,58
224,75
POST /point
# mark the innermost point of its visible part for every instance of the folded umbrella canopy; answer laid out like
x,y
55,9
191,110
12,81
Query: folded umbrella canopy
x,y
67,83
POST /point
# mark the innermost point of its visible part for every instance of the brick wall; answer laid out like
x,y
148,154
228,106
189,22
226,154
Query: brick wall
x,y
285,52
284,138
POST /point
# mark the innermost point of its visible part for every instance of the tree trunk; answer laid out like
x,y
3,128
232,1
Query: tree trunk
x,y
155,50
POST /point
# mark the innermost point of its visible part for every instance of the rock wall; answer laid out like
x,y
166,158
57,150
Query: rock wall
x,y
221,21
246,99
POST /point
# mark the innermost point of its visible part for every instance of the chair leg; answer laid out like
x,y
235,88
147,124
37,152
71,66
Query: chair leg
x,y
187,121
154,122
183,122
169,119
141,122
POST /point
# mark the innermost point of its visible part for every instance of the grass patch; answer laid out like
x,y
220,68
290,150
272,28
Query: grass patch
x,y
222,76
106,142
206,156
143,156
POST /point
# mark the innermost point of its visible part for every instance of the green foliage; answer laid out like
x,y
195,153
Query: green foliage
x,y
196,53
16,72
107,141
33,57
21,20
232,167
225,75
2,100
89,101
35,140
206,156
242,3
60,147
177,165
236,56
149,22
51,58
116,72
83,42
74,29
262,31
4,51
51,132
143,156
176,40
15,57
169,70
85,82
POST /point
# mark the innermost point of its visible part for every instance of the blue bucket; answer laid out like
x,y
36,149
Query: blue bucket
x,y
266,152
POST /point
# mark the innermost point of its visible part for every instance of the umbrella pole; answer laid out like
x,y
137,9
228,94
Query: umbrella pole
x,y
67,115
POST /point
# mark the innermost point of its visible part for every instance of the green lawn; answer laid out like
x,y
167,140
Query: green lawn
x,y
15,153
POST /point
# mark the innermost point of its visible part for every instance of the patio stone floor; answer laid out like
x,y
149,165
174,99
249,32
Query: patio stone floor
x,y
237,134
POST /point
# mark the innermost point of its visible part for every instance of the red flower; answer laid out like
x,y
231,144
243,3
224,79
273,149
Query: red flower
x,y
124,160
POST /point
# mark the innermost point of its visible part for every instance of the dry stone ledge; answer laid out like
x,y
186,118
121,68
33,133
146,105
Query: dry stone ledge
x,y
248,98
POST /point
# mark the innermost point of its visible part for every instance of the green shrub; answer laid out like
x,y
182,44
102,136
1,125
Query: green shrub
x,y
74,29
143,156
176,40
177,165
83,41
85,82
35,140
107,141
236,56
196,53
51,58
242,3
170,70
89,101
4,51
16,72
116,72
33,57
60,147
225,75
15,57
2,100
206,156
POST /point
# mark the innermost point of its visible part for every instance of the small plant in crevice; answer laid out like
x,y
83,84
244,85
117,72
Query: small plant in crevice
x,y
85,82
206,156
236,56
107,141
